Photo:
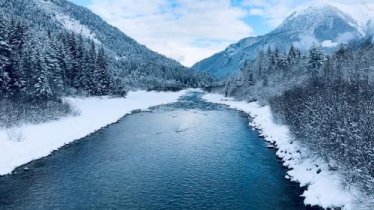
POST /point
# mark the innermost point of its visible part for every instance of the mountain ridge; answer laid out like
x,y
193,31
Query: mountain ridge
x,y
133,64
74,11
300,29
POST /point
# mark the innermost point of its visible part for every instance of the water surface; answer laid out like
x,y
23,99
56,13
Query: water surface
x,y
187,155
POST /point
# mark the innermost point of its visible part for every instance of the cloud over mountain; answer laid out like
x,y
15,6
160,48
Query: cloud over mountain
x,y
186,30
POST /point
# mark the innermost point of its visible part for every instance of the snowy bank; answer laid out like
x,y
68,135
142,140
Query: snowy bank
x,y
324,187
94,113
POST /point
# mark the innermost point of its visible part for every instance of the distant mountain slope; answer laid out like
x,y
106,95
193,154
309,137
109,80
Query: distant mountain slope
x,y
114,39
134,64
325,25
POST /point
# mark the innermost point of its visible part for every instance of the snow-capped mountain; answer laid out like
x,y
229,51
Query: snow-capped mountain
x,y
324,25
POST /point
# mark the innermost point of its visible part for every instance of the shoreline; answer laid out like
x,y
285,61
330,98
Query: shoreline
x,y
322,187
41,140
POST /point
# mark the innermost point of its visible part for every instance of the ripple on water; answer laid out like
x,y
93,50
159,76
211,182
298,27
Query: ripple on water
x,y
187,155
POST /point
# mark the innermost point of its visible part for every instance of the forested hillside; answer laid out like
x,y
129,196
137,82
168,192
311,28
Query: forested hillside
x,y
53,48
326,100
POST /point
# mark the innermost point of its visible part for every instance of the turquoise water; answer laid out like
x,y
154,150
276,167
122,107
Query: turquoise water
x,y
187,155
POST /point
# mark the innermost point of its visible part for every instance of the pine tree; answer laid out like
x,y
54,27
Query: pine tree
x,y
17,36
4,58
75,46
327,70
78,61
41,87
89,69
65,62
315,60
292,55
52,67
260,64
101,74
27,66
269,60
86,75
276,57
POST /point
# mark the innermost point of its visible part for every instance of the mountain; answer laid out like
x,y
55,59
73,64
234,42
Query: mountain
x,y
132,64
325,25
369,28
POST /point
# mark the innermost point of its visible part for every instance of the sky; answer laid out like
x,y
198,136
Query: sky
x,y
191,30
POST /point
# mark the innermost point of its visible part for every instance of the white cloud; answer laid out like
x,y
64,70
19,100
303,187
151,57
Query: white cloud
x,y
306,42
329,43
186,30
345,37
190,30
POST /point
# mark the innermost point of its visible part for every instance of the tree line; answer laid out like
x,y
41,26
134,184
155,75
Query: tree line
x,y
41,63
130,64
37,68
326,99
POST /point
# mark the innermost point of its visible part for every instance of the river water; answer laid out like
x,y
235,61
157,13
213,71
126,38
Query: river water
x,y
187,155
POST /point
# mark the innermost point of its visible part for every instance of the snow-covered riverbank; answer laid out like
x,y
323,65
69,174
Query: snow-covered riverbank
x,y
96,112
324,187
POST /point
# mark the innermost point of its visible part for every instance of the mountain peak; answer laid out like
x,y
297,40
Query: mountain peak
x,y
322,24
314,17
323,9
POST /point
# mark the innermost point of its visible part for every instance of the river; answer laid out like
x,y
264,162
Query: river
x,y
187,155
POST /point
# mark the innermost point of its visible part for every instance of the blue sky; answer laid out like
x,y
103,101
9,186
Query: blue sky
x,y
191,30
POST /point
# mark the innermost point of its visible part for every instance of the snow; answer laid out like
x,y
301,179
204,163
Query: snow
x,y
68,22
329,43
37,141
322,11
325,188
75,26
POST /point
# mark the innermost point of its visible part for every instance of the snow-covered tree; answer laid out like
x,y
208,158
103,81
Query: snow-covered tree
x,y
315,60
101,74
4,58
42,90
326,101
